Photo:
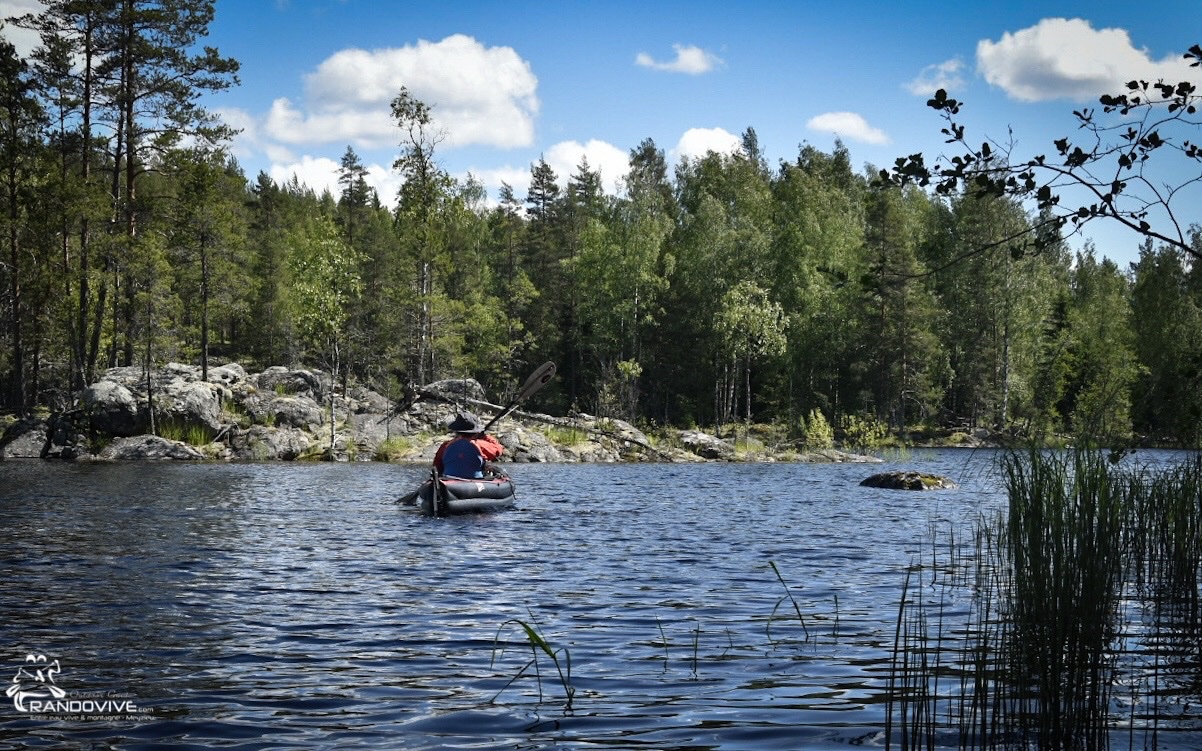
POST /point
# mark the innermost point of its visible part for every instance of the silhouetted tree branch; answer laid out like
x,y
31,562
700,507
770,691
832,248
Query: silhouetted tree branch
x,y
1111,164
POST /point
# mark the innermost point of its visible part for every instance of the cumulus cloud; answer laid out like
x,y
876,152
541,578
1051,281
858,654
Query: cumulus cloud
x,y
944,75
612,162
1068,58
697,142
848,125
689,59
518,178
321,174
479,96
23,40
248,140
318,173
563,158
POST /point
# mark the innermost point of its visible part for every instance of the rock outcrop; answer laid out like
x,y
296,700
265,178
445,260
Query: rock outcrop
x,y
148,447
289,414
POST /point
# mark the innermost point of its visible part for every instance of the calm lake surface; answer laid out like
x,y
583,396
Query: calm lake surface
x,y
297,606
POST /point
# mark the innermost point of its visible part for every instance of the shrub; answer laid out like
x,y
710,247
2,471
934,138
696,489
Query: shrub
x,y
817,433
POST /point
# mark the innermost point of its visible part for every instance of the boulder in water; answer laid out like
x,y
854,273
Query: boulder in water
x,y
908,481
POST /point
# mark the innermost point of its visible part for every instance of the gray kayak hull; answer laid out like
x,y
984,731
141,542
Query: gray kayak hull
x,y
464,496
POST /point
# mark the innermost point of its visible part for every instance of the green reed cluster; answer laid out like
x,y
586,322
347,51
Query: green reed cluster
x,y
1069,615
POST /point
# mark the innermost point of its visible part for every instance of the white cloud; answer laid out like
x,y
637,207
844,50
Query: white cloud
x,y
23,40
563,158
697,142
1068,58
518,179
848,125
689,59
945,75
321,174
318,173
613,163
248,141
478,95
386,182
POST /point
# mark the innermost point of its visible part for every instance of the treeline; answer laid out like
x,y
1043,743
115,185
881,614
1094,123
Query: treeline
x,y
716,290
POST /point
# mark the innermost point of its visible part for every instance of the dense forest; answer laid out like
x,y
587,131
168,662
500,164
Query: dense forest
x,y
717,290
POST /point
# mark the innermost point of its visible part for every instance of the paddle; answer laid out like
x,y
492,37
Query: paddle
x,y
436,490
536,381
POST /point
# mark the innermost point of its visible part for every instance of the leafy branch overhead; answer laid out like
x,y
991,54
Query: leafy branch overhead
x,y
1108,170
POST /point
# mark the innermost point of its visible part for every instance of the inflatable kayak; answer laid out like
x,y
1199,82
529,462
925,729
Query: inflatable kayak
x,y
448,496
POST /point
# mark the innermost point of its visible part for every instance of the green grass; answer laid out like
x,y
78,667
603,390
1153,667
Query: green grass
x,y
189,433
234,412
397,448
561,436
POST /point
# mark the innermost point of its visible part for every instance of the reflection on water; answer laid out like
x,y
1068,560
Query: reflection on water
x,y
295,605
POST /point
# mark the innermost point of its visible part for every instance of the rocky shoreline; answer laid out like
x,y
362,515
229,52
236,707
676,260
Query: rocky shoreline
x,y
295,414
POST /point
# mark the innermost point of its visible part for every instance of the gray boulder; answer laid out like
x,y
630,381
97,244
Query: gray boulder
x,y
192,403
148,447
25,439
611,426
294,412
112,409
367,432
527,447
265,443
456,388
365,401
284,381
908,481
227,375
707,446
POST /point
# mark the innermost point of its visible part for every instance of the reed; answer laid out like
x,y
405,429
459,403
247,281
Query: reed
x,y
1065,546
788,596
537,644
663,639
696,645
1089,581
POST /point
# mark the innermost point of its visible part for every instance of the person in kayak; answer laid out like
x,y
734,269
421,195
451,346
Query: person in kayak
x,y
468,454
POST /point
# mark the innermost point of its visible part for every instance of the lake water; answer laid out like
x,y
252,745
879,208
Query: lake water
x,y
297,606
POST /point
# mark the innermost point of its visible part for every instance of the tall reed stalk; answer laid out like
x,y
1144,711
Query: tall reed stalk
x,y
1065,547
1088,581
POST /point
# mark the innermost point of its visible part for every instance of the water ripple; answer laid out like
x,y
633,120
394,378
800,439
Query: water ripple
x,y
297,606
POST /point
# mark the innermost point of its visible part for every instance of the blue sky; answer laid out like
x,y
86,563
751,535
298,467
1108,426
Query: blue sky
x,y
513,82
